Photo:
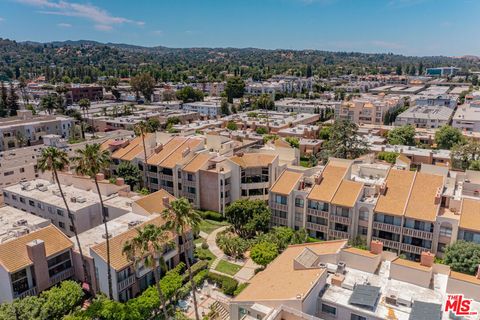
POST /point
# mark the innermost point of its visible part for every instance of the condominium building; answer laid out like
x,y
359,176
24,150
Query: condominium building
x,y
15,223
128,279
34,262
425,116
368,109
330,280
441,100
42,198
26,129
467,117
410,212
204,108
305,105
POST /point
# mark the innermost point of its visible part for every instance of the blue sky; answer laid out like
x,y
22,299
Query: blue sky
x,y
412,27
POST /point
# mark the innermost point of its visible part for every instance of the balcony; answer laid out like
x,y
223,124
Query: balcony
x,y
340,219
388,243
418,233
317,213
166,177
387,227
338,234
317,227
64,275
279,221
413,249
29,292
125,283
255,185
279,206
188,183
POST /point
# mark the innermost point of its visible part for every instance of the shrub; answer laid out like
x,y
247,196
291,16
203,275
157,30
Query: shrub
x,y
240,288
212,215
204,245
196,268
228,285
232,245
264,252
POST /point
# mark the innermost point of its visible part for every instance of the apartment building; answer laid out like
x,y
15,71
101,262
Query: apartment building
x,y
305,105
128,279
368,109
441,100
425,117
26,129
205,108
34,262
42,198
467,117
79,92
15,223
330,280
410,212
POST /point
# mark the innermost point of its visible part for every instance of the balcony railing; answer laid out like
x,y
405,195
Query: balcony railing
x,y
388,243
279,221
317,227
338,234
122,285
340,219
64,275
166,177
29,292
418,233
317,213
387,227
279,206
413,249
188,183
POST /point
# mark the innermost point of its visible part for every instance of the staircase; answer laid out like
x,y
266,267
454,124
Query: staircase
x,y
219,311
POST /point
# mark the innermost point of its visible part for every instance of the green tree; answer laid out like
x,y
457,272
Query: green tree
x,y
141,129
48,103
61,300
224,107
130,173
181,218
143,83
22,85
12,101
344,142
84,105
153,124
463,256
91,161
446,137
231,125
54,160
463,154
293,141
3,100
171,283
263,253
234,88
474,165
188,94
261,130
248,217
147,248
390,157
404,135
264,102
325,133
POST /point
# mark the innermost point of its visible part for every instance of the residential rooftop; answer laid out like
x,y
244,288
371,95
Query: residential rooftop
x,y
15,223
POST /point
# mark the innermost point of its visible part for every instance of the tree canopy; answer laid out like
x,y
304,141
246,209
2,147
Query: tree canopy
x,y
404,135
463,256
129,172
248,217
446,137
263,253
188,94
234,88
143,83
344,142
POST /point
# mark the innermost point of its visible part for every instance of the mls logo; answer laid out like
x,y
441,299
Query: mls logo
x,y
459,305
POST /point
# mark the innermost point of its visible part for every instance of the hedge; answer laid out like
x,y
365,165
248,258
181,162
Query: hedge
x,y
212,215
228,285
187,287
195,268
240,288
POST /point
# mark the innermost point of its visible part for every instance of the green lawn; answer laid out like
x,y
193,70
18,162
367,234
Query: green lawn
x,y
205,254
208,226
227,267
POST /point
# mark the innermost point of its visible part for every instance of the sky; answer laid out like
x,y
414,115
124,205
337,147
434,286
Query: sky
x,y
410,27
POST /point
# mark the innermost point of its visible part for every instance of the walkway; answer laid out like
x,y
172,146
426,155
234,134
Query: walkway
x,y
248,266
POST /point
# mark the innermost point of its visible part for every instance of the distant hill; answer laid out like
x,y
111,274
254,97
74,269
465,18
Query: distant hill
x,y
90,59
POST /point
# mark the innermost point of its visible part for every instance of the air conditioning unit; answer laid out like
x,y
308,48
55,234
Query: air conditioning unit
x,y
21,222
42,188
341,267
132,224
391,299
73,199
81,199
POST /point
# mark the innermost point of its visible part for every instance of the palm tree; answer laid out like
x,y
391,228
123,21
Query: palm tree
x,y
84,105
90,162
141,129
48,103
53,159
147,247
181,218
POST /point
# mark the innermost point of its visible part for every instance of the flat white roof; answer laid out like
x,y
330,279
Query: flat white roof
x,y
15,222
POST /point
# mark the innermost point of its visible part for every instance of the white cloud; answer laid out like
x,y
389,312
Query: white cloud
x,y
64,25
158,32
103,27
101,17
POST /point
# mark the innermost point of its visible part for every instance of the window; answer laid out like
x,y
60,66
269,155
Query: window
x,y
22,199
363,215
61,224
14,197
299,202
71,228
31,203
280,199
329,309
5,195
8,173
20,281
59,263
22,170
60,212
445,231
357,317
362,230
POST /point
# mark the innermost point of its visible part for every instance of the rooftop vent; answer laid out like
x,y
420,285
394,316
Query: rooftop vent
x,y
81,199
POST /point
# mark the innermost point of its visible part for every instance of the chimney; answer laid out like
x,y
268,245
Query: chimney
x,y
37,254
166,201
376,247
120,182
427,259
478,272
100,176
